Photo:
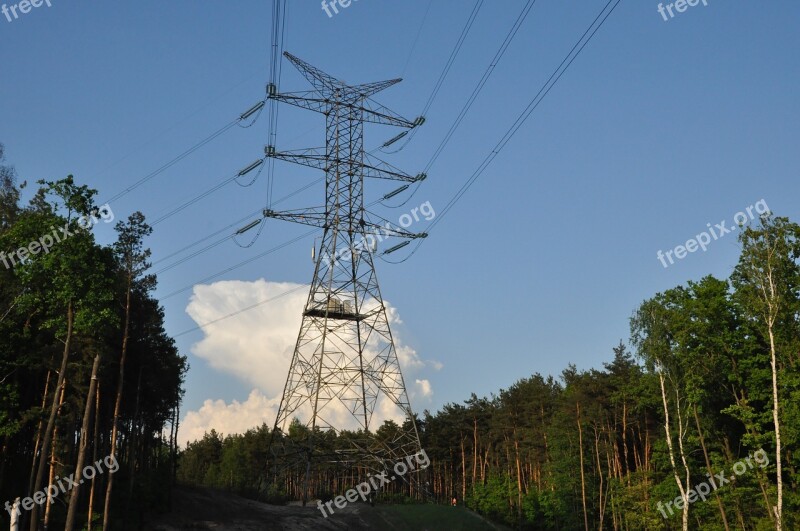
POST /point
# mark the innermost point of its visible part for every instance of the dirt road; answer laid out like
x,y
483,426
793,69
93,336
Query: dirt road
x,y
206,509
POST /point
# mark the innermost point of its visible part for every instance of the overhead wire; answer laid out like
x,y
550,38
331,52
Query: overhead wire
x,y
233,314
255,111
278,35
228,227
216,187
236,266
153,138
242,263
445,71
522,118
475,93
201,240
276,67
520,19
416,39
174,161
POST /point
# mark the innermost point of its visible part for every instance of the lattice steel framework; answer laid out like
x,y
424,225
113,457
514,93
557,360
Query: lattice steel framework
x,y
345,363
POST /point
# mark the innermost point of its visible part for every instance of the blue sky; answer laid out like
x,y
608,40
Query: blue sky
x,y
657,129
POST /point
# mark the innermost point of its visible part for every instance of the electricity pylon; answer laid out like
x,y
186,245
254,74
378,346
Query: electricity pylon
x,y
345,363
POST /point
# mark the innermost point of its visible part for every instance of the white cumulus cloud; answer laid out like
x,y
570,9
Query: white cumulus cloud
x,y
256,346
236,417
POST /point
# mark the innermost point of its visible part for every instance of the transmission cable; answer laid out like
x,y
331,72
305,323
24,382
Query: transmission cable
x,y
211,190
230,236
277,45
240,264
155,137
500,145
443,75
522,118
416,39
201,240
246,261
256,305
476,91
165,167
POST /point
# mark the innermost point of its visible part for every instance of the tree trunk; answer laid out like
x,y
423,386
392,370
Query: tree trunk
x,y
625,440
118,405
519,475
135,441
710,470
601,504
39,430
474,452
583,479
84,441
668,434
52,475
681,435
777,422
37,485
463,472
90,521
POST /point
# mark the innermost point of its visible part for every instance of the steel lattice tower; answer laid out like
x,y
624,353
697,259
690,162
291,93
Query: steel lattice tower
x,y
344,363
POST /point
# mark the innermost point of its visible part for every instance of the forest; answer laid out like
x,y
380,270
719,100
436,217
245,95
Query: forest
x,y
90,383
693,423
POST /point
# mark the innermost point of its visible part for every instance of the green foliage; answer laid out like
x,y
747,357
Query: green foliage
x,y
591,448
35,293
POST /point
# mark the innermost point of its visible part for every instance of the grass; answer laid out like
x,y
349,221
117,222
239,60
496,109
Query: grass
x,y
429,517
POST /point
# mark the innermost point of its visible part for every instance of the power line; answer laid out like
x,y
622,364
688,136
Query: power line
x,y
226,238
476,91
189,151
522,118
452,58
155,137
211,190
230,236
205,238
240,264
278,36
443,75
277,45
256,305
416,39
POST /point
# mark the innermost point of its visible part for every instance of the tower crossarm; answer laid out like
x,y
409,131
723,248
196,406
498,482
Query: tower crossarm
x,y
311,157
319,79
389,230
369,110
378,169
317,158
314,217
376,113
